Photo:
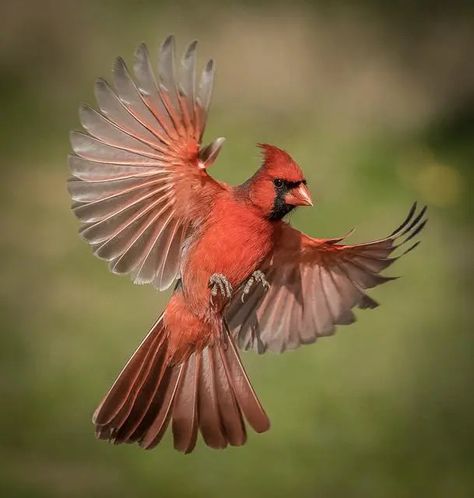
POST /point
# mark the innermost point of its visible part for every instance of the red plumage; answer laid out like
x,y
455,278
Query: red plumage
x,y
243,276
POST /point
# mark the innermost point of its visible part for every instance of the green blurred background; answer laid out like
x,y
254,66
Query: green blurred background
x,y
376,102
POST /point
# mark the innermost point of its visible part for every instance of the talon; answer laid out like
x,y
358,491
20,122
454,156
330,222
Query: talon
x,y
256,277
218,282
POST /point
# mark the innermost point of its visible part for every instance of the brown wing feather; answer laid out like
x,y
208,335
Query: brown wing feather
x,y
314,284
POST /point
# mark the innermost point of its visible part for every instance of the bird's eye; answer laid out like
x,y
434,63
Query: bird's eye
x,y
278,182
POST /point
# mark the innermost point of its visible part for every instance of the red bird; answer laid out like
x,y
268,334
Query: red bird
x,y
243,275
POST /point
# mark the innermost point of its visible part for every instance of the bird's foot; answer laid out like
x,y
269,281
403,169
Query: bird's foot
x,y
257,277
218,283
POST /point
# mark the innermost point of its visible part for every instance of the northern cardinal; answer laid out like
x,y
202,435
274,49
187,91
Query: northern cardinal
x,y
242,275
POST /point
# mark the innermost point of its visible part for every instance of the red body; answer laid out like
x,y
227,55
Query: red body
x,y
233,241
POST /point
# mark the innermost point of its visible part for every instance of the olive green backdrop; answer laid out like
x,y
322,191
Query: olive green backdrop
x,y
376,102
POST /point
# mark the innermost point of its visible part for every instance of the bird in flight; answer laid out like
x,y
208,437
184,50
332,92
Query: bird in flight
x,y
243,277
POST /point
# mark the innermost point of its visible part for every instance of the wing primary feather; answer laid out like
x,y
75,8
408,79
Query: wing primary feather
x,y
133,101
414,233
186,114
205,85
395,234
114,109
118,112
204,94
172,110
188,63
166,67
148,88
413,246
406,220
371,279
188,82
414,222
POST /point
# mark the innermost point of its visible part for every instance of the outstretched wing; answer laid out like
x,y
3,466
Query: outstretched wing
x,y
314,284
138,181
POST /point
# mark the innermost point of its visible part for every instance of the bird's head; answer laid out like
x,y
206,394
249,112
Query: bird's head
x,y
279,185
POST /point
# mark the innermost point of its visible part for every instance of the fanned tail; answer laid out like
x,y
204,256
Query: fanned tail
x,y
208,392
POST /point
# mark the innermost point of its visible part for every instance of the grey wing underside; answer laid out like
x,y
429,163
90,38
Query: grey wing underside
x,y
311,294
139,149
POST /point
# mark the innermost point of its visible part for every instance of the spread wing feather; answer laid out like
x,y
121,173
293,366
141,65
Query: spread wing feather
x,y
138,169
314,284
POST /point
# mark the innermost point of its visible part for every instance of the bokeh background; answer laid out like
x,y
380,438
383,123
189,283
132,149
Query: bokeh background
x,y
376,102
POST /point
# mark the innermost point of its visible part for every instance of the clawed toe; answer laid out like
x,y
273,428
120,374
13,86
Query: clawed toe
x,y
256,277
260,277
218,283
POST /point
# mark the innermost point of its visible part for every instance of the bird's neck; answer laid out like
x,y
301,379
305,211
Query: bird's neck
x,y
261,196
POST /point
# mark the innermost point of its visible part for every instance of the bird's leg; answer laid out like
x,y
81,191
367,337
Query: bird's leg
x,y
256,277
219,283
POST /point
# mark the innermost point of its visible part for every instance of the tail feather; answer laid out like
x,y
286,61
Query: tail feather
x,y
157,428
208,392
243,390
144,394
122,389
229,410
185,415
210,423
128,411
153,406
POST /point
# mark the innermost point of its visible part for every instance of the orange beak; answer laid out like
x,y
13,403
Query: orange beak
x,y
299,196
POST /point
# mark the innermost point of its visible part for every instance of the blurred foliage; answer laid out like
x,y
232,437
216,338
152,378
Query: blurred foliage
x,y
376,101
